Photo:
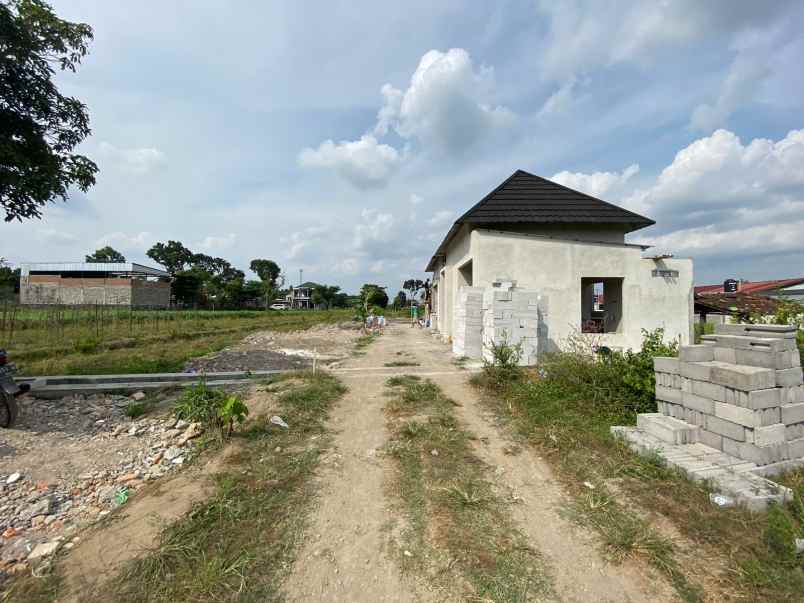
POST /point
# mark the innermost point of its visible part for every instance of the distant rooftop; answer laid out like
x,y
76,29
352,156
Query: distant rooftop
x,y
114,267
751,287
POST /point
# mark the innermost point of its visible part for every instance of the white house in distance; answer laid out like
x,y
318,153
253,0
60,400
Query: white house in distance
x,y
564,249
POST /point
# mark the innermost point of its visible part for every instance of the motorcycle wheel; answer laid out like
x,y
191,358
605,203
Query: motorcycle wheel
x,y
8,410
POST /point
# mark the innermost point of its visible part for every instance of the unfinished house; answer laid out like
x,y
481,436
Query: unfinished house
x,y
537,263
83,283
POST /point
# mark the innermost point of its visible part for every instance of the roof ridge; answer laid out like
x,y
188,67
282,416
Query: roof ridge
x,y
498,187
588,196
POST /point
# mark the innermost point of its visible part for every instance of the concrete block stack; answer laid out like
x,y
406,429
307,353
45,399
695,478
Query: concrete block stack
x,y
467,340
739,392
731,412
511,315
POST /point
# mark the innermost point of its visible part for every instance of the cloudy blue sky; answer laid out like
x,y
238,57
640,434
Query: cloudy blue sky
x,y
343,138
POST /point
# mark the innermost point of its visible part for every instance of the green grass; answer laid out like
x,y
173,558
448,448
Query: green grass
x,y
363,342
239,544
458,533
82,347
558,413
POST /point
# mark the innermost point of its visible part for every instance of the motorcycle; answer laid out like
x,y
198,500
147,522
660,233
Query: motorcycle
x,y
9,390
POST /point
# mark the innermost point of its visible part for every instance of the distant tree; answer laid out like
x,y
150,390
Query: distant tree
x,y
267,270
105,254
254,291
413,286
270,275
400,301
186,287
326,295
340,300
9,279
39,127
174,256
373,295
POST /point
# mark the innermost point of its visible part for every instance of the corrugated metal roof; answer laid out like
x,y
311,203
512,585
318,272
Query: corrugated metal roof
x,y
128,267
525,198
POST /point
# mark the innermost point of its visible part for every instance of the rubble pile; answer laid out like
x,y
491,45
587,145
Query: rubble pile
x,y
69,462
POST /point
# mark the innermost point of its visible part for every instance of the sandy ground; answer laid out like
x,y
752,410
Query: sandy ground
x,y
329,344
349,551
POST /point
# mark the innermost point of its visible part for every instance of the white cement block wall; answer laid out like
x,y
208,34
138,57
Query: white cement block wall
x,y
511,317
554,267
467,340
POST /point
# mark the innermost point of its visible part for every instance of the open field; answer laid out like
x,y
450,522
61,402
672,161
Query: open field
x,y
102,340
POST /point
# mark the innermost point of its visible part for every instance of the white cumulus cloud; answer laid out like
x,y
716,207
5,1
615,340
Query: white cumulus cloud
x,y
218,243
744,79
441,217
135,160
596,184
366,163
449,104
122,241
582,35
719,194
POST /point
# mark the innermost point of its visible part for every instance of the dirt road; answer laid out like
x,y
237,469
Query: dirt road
x,y
350,553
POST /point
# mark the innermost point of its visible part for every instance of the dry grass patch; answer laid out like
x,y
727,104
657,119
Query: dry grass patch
x,y
457,530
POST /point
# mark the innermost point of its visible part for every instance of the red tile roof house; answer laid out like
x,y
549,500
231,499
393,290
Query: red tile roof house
x,y
790,288
713,304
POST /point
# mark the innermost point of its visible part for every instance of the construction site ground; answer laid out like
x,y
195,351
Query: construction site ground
x,y
349,548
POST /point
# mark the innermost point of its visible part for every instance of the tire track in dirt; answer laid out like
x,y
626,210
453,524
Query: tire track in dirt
x,y
346,552
579,571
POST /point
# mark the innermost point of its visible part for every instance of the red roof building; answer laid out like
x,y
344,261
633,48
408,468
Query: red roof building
x,y
794,287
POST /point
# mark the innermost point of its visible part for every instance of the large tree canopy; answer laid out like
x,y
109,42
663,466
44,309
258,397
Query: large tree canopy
x,y
172,255
39,127
267,270
106,254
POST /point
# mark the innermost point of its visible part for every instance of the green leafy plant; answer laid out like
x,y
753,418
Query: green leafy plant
x,y
121,496
233,410
503,367
212,408
136,409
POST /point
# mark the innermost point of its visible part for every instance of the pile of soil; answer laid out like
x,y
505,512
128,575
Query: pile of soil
x,y
270,350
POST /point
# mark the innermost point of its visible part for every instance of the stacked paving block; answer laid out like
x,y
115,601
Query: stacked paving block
x,y
730,410
467,339
512,316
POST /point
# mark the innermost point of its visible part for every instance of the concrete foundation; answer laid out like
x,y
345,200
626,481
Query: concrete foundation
x,y
737,398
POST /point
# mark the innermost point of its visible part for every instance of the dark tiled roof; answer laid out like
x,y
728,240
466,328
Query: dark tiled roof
x,y
524,198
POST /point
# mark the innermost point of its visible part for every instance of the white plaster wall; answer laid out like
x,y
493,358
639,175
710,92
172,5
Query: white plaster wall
x,y
555,268
459,253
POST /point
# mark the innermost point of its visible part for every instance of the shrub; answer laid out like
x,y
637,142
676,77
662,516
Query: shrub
x,y
780,535
214,409
618,384
136,409
503,368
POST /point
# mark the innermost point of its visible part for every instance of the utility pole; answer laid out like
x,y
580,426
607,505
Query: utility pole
x,y
301,271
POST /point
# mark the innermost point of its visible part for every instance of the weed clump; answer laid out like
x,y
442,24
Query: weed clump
x,y
503,368
215,409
